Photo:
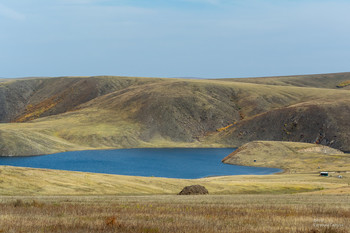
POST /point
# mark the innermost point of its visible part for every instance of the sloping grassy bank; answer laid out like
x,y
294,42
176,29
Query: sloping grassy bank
x,y
292,157
34,182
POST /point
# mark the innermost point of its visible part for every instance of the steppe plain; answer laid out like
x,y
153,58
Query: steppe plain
x,y
285,121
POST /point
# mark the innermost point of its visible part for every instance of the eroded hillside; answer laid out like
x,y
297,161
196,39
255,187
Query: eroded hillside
x,y
48,115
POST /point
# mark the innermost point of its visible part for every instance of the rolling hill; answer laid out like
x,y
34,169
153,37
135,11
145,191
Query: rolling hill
x,y
48,115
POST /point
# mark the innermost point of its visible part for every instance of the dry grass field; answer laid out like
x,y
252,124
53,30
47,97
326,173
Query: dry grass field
x,y
170,213
33,182
41,200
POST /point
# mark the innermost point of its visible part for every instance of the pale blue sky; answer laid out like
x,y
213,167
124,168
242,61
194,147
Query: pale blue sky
x,y
173,38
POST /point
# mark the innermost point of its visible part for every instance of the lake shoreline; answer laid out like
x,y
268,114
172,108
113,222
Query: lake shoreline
x,y
148,162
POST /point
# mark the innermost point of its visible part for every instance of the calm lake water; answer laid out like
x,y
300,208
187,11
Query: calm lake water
x,y
171,163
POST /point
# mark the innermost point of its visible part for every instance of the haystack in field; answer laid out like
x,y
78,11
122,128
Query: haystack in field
x,y
194,190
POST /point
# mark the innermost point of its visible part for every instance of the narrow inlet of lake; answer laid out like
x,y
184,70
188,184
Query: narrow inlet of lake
x,y
185,163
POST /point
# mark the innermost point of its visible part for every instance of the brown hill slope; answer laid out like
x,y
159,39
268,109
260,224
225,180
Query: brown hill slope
x,y
321,122
317,80
27,99
75,113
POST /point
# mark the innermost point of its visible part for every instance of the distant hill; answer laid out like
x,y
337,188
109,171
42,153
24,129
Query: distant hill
x,y
316,80
48,115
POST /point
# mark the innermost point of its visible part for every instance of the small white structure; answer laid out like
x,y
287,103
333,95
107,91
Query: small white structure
x,y
323,173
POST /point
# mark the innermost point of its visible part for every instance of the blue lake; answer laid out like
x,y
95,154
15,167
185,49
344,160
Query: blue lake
x,y
172,163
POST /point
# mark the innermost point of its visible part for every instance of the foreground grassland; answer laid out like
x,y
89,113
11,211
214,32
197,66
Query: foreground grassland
x,y
235,213
33,182
41,200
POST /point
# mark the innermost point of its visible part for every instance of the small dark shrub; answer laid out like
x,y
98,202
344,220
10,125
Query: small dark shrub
x,y
18,203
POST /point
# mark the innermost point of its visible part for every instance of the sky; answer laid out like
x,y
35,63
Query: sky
x,y
173,38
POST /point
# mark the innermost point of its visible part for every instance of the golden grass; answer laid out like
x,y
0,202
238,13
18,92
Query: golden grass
x,y
32,182
293,157
344,84
234,213
83,130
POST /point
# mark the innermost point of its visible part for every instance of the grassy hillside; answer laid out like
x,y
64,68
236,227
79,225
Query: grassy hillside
x,y
292,157
323,121
17,181
27,99
48,115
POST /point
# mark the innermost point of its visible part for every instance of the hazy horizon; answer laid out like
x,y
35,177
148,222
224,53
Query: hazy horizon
x,y
265,76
